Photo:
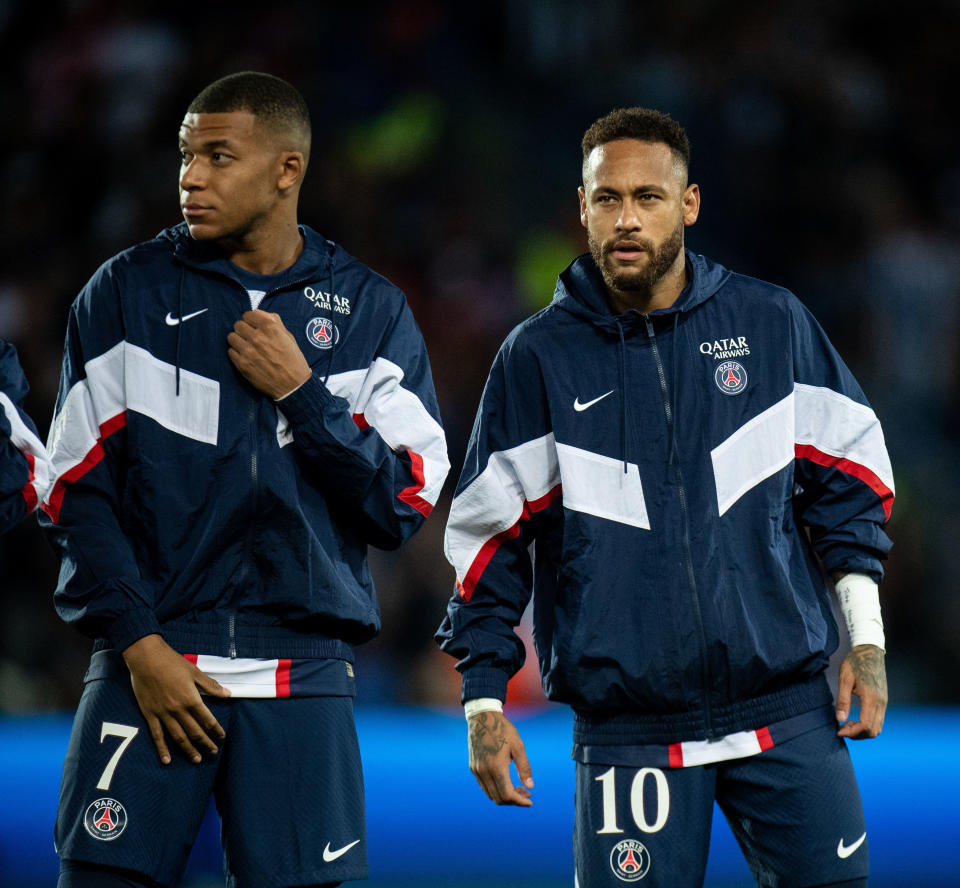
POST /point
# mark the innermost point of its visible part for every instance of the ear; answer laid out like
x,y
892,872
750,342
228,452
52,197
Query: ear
x,y
292,168
583,206
691,204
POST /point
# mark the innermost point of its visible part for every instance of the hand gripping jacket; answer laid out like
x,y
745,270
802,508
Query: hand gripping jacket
x,y
24,469
188,503
653,479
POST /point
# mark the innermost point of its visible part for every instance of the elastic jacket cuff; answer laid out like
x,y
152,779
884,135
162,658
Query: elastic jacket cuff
x,y
131,626
484,682
851,559
307,403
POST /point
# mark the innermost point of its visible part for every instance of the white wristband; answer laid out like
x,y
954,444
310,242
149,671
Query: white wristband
x,y
482,704
859,599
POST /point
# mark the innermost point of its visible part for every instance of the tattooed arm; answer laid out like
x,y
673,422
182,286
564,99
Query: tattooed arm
x,y
494,742
862,673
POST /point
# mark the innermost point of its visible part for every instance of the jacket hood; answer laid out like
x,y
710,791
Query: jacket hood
x,y
12,380
581,290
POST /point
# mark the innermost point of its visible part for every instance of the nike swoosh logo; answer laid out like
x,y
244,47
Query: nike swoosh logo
x,y
580,407
329,856
844,851
172,321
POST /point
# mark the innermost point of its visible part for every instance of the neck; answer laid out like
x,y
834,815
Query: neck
x,y
267,252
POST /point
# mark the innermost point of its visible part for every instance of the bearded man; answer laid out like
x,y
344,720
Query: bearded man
x,y
673,460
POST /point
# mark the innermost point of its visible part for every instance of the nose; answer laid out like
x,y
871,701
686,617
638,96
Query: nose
x,y
629,218
191,178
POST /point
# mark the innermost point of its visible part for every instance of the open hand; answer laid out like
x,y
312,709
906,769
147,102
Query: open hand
x,y
494,743
864,674
167,688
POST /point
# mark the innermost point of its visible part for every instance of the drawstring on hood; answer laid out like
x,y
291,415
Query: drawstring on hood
x,y
179,327
331,246
673,391
622,359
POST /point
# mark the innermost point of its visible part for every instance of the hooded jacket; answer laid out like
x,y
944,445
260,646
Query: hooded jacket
x,y
24,469
671,487
188,503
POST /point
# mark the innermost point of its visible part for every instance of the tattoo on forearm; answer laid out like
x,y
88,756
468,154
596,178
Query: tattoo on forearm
x,y
868,668
486,736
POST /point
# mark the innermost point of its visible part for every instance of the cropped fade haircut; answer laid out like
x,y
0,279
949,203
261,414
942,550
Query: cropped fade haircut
x,y
272,101
644,124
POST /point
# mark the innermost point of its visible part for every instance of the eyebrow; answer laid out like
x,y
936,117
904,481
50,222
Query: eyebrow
x,y
640,189
209,145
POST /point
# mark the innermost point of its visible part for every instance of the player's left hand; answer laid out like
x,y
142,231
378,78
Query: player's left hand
x,y
266,353
494,743
863,673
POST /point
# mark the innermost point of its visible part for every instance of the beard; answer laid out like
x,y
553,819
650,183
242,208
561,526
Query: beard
x,y
660,261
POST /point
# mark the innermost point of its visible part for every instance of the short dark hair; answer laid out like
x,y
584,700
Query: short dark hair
x,y
644,124
270,99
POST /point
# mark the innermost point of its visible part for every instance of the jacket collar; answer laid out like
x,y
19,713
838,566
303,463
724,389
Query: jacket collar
x,y
315,261
581,291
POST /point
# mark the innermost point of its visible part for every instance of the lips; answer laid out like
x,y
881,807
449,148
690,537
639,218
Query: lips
x,y
627,250
193,211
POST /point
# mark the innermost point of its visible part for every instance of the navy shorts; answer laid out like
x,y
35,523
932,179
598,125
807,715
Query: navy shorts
x,y
287,782
795,809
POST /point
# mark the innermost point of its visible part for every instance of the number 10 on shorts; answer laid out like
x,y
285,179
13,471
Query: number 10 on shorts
x,y
651,821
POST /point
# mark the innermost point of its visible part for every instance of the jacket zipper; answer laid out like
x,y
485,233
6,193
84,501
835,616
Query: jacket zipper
x,y
254,476
685,521
248,537
254,482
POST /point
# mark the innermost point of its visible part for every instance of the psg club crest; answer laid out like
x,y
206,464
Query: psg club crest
x,y
730,377
322,333
630,860
105,819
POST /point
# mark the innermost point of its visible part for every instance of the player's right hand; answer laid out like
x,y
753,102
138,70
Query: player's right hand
x,y
494,743
167,687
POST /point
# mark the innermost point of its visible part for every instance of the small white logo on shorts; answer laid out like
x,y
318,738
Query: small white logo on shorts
x,y
105,819
844,851
630,860
329,856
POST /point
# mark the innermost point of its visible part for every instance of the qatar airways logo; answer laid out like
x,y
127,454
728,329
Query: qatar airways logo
x,y
724,349
328,301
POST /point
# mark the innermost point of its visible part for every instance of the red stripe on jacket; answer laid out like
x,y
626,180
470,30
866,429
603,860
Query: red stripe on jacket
x,y
489,548
848,467
29,491
411,495
95,454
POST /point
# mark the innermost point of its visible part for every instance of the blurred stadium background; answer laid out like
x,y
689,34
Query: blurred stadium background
x,y
446,156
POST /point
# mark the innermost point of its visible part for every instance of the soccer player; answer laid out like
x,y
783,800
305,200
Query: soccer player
x,y
673,459
24,468
244,408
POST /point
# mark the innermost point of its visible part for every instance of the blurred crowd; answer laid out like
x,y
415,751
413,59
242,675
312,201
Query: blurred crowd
x,y
446,156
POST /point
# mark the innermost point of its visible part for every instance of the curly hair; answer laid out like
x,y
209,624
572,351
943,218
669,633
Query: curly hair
x,y
644,124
